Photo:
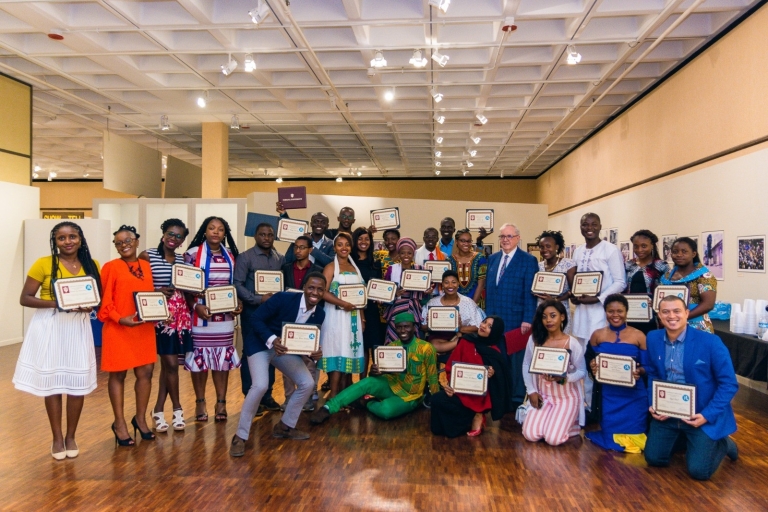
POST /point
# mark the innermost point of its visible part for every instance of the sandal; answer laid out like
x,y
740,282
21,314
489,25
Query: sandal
x,y
178,419
204,415
160,424
221,416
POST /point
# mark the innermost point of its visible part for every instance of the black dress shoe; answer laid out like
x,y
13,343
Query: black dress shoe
x,y
270,404
319,416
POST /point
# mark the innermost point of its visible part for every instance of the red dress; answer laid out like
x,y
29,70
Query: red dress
x,y
465,352
124,347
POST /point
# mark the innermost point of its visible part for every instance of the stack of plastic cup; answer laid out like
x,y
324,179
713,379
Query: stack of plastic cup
x,y
750,317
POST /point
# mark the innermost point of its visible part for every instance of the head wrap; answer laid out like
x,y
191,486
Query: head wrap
x,y
405,317
494,338
406,242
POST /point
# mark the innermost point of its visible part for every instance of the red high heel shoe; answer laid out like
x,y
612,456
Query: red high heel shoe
x,y
475,433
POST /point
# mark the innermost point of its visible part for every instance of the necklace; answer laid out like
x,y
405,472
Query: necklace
x,y
617,330
70,265
551,268
137,273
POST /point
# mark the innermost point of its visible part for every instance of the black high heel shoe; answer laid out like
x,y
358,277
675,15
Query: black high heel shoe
x,y
122,442
147,436
221,416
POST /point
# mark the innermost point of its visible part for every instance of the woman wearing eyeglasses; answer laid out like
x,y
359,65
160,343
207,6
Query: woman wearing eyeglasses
x,y
127,341
173,336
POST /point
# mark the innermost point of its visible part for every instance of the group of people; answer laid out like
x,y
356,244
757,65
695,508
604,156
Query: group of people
x,y
501,322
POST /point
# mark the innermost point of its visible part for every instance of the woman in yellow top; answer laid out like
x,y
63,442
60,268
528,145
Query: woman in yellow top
x,y
57,357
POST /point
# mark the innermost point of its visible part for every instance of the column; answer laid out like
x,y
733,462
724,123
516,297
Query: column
x,y
215,160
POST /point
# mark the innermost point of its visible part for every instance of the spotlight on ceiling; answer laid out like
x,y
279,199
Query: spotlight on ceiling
x,y
339,180
440,119
481,118
202,100
249,63
164,124
371,72
464,172
574,57
86,174
438,164
509,24
359,173
438,154
476,140
436,95
439,140
260,12
437,172
470,164
440,4
473,153
229,67
234,123
35,175
441,59
378,60
389,95
38,168
279,180
51,175
417,60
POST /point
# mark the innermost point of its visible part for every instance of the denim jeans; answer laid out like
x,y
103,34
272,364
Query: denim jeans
x,y
703,455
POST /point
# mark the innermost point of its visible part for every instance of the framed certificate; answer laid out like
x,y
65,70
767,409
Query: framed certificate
x,y
437,268
477,219
187,278
550,361
548,283
268,281
616,370
443,318
664,290
639,308
470,379
390,358
221,299
354,294
674,400
387,218
288,230
76,292
381,291
301,339
587,283
151,306
416,280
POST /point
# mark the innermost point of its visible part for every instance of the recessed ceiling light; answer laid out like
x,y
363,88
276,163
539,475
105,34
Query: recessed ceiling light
x,y
436,95
476,140
417,60
260,12
234,123
440,119
441,59
248,63
202,100
481,118
574,57
229,67
440,4
378,60
389,95
164,125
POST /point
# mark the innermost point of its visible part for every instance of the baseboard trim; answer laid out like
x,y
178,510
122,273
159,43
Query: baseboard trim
x,y
11,341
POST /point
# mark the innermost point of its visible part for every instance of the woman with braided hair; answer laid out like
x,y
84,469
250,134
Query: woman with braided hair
x,y
173,336
214,251
644,271
551,246
57,357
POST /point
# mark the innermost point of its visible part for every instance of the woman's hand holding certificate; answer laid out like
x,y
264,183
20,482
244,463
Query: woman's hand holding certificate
x,y
75,293
470,379
550,361
187,278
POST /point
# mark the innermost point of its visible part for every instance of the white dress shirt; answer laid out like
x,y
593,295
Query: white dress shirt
x,y
301,317
509,256
422,255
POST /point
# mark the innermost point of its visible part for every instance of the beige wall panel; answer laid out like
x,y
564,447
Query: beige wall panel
x,y
130,167
215,160
715,103
16,124
14,169
64,194
182,179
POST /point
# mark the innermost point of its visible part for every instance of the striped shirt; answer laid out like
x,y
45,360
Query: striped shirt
x,y
161,269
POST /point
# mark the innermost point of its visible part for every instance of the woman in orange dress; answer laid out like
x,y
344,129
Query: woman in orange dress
x,y
126,341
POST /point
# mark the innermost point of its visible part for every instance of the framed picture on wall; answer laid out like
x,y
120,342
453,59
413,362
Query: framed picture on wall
x,y
487,250
534,249
712,252
604,234
626,251
573,250
695,238
567,252
751,253
613,236
378,245
666,247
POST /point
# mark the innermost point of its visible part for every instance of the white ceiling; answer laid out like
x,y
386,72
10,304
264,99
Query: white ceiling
x,y
311,105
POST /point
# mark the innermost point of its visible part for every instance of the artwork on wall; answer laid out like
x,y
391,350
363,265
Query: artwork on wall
x,y
534,249
378,245
567,252
487,250
613,236
666,247
712,252
751,253
604,234
573,250
626,251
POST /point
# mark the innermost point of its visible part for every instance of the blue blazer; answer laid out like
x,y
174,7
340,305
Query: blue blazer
x,y
707,365
269,318
511,299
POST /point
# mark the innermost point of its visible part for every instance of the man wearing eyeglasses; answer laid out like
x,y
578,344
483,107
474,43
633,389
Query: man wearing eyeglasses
x,y
508,295
294,277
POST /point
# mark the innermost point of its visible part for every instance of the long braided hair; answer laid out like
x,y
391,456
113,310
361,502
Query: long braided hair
x,y
165,226
652,237
83,255
228,242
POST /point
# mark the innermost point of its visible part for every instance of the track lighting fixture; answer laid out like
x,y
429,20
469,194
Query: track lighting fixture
x,y
440,4
438,164
574,57
35,175
248,63
359,173
476,140
202,100
436,95
439,140
470,164
234,123
378,60
417,60
229,67
437,172
260,12
473,152
440,119
464,172
164,125
441,59
481,118
438,153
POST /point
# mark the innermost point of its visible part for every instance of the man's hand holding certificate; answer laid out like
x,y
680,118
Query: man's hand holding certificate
x,y
300,339
390,358
587,283
480,219
674,400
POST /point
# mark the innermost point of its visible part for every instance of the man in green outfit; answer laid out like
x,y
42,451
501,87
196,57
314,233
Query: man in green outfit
x,y
394,394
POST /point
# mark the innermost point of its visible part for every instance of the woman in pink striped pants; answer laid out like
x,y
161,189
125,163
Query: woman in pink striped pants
x,y
557,402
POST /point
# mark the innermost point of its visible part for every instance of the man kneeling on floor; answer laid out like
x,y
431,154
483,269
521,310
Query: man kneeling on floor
x,y
394,394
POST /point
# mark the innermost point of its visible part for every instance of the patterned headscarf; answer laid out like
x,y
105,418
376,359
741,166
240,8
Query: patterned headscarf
x,y
406,241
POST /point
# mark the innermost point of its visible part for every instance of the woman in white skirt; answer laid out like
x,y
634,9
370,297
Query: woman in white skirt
x,y
57,357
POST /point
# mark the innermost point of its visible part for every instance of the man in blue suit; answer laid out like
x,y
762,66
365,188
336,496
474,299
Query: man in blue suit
x,y
508,295
267,347
679,353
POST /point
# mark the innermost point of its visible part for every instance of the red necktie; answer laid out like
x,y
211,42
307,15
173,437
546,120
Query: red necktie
x,y
431,257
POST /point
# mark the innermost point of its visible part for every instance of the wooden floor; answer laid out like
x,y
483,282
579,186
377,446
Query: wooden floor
x,y
352,462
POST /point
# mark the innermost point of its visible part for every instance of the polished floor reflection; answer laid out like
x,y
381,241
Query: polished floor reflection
x,y
352,462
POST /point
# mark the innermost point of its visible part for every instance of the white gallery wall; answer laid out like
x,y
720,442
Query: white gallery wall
x,y
17,203
415,214
37,234
729,194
